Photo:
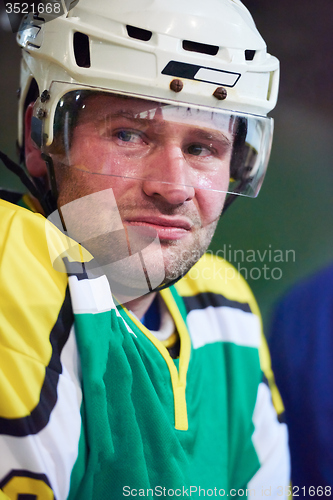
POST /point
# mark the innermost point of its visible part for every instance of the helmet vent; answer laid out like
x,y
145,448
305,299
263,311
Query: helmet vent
x,y
249,55
139,33
202,48
81,49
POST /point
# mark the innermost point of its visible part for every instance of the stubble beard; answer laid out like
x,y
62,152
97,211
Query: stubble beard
x,y
178,256
178,260
168,261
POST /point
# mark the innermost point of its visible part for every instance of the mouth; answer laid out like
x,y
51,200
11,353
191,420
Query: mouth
x,y
167,228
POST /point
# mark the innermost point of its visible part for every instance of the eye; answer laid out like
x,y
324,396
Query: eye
x,y
199,150
131,136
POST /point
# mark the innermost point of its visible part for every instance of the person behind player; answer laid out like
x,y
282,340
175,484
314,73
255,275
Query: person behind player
x,y
130,359
300,342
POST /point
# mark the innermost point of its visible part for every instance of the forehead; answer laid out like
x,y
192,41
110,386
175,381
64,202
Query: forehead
x,y
102,103
110,106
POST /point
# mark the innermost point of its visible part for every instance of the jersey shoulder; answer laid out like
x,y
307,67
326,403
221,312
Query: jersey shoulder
x,y
215,282
33,295
212,274
26,250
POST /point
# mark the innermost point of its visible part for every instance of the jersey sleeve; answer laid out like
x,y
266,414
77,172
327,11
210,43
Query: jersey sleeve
x,y
230,297
270,436
270,439
39,365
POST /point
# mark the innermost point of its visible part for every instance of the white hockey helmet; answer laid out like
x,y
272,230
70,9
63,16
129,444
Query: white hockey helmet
x,y
206,57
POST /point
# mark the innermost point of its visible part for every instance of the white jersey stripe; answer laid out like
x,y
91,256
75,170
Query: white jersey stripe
x,y
270,440
223,324
90,295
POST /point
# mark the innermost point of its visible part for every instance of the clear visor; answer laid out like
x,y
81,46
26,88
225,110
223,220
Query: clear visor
x,y
109,134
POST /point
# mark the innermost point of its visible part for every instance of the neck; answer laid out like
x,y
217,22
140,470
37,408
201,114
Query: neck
x,y
141,305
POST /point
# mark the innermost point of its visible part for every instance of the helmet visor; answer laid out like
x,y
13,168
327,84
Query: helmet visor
x,y
110,134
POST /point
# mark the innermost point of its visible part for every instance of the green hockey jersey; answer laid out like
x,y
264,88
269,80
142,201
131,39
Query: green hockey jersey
x,y
92,406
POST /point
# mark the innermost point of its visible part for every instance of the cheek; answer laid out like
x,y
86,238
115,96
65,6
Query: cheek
x,y
101,157
86,155
74,183
210,205
218,179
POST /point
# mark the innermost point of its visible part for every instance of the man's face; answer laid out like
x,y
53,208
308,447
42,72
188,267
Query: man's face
x,y
159,163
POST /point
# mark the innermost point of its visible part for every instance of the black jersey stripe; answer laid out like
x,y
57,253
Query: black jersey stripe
x,y
40,415
206,299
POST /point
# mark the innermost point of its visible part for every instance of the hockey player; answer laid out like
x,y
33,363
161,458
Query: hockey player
x,y
130,359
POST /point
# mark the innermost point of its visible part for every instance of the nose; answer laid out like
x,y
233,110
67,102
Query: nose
x,y
167,176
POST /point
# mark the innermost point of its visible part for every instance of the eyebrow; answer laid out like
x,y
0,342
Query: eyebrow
x,y
212,135
128,115
201,133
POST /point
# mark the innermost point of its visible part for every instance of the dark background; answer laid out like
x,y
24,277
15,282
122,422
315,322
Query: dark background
x,y
294,209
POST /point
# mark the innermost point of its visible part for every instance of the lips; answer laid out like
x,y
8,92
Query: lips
x,y
166,227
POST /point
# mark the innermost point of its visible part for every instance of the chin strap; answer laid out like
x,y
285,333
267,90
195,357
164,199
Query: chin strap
x,y
230,199
166,285
36,188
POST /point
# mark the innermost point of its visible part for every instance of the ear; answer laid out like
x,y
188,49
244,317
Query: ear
x,y
35,164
